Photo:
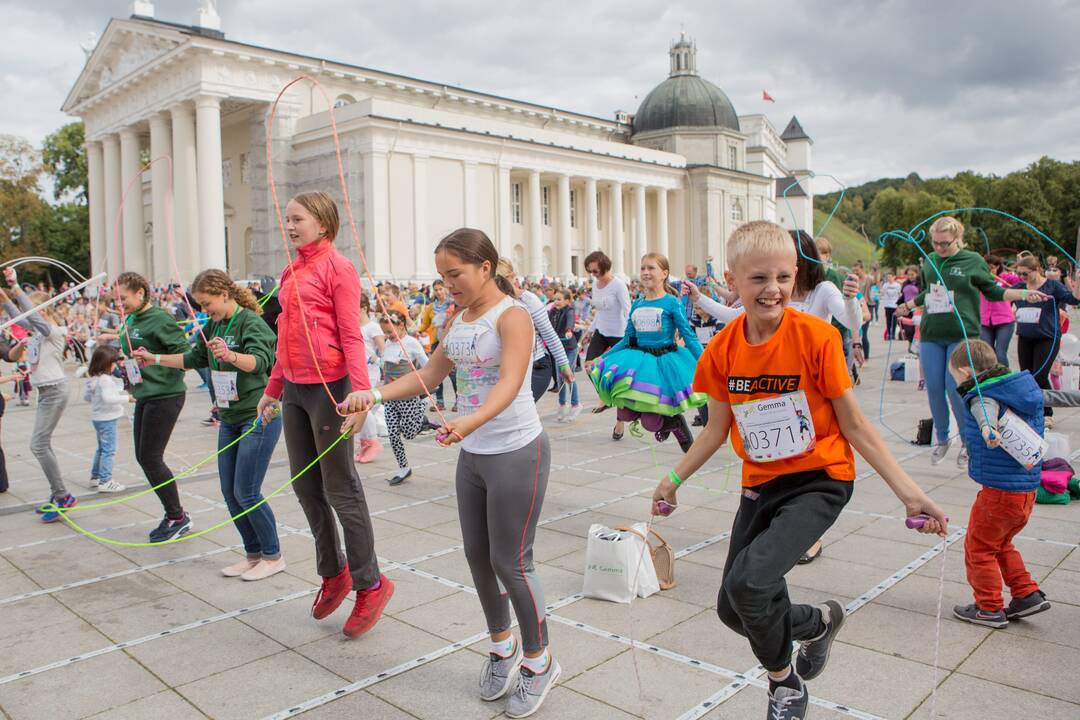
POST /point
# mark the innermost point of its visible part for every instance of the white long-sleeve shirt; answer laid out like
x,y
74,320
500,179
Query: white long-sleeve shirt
x,y
612,303
824,301
106,396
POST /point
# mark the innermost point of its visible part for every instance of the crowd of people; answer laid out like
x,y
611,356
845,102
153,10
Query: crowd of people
x,y
765,355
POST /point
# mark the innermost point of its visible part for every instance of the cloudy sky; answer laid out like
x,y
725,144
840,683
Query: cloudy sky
x,y
884,88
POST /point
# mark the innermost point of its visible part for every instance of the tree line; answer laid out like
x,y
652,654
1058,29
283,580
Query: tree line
x,y
1046,194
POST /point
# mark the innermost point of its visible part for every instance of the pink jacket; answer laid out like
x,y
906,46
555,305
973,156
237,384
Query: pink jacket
x,y
998,312
330,291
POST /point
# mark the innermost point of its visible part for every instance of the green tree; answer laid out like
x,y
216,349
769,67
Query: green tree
x,y
64,156
21,205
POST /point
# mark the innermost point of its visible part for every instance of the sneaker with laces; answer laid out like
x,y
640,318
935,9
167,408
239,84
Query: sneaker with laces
x,y
369,608
561,417
976,616
168,529
788,704
939,452
110,486
814,654
93,483
962,458
1036,602
51,516
400,476
499,673
575,411
531,690
331,594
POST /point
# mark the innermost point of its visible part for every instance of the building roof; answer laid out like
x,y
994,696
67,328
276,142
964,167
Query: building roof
x,y
784,183
685,101
794,131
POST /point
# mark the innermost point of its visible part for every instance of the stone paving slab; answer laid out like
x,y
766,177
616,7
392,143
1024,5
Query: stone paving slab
x,y
256,663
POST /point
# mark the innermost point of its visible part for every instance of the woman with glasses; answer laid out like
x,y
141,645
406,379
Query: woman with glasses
x,y
611,299
1038,328
951,283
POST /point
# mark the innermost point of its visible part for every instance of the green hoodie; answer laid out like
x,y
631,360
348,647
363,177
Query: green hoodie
x,y
244,333
966,275
155,330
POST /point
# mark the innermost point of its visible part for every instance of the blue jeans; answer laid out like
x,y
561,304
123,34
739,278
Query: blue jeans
x,y
999,336
106,450
574,399
940,386
242,469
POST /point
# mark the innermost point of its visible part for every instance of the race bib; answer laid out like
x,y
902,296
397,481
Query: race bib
x,y
133,371
648,319
939,300
224,387
775,428
705,334
1021,441
1028,314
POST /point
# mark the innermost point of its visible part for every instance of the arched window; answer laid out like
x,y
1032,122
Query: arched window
x,y
343,100
736,210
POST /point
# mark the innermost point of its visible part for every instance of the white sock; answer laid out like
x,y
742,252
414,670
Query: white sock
x,y
538,665
503,648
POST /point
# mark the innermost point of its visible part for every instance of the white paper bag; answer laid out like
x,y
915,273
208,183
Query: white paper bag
x,y
617,563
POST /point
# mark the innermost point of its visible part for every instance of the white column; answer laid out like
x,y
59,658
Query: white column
x,y
714,231
641,245
211,189
565,231
422,244
592,232
114,239
661,222
95,191
185,189
505,245
161,268
618,246
134,243
535,251
376,230
470,194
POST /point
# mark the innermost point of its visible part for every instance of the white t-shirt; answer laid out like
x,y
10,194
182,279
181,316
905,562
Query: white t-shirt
x,y
890,294
396,356
476,351
612,303
370,331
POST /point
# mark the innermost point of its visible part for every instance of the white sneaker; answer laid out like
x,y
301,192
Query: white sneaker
x,y
562,414
575,410
962,458
93,484
939,452
111,486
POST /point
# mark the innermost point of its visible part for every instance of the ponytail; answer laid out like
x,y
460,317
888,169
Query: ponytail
x,y
218,282
245,298
504,285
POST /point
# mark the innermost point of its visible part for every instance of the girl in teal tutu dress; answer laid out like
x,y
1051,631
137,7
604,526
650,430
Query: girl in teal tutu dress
x,y
647,376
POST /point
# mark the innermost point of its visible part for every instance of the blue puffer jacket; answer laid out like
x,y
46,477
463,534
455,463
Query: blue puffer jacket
x,y
993,467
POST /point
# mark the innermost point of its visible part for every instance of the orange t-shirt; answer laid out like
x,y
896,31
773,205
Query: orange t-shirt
x,y
806,354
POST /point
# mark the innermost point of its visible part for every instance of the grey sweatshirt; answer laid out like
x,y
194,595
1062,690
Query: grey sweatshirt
x,y
45,352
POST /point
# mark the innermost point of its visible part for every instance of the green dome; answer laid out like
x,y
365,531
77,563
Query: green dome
x,y
685,101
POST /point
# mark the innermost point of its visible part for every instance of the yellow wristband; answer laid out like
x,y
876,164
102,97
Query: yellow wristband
x,y
377,394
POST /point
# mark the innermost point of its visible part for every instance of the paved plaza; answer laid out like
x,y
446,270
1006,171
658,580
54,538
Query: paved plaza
x,y
93,630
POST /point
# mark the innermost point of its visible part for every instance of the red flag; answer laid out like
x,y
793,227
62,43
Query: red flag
x,y
766,96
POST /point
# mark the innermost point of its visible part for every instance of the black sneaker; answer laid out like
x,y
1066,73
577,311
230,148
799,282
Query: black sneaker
x,y
814,654
698,421
682,433
1034,603
169,529
788,704
972,614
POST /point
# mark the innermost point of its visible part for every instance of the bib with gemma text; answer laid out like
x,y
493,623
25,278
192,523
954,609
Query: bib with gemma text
x,y
775,428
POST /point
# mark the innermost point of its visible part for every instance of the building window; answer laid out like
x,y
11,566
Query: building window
x,y
573,208
736,210
733,157
545,205
515,203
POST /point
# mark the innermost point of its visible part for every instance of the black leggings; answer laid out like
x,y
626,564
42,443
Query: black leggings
x,y
890,323
3,460
541,376
155,419
1038,354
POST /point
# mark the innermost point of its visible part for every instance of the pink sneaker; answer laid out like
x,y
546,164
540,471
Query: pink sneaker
x,y
369,450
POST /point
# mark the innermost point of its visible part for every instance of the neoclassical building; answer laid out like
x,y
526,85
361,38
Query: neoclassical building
x,y
419,158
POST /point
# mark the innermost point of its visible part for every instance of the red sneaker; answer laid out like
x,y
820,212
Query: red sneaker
x,y
331,594
369,608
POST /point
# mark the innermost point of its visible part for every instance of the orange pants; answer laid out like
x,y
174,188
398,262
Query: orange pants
x,y
996,518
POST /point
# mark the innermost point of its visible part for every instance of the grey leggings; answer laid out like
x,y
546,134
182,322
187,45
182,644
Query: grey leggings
x,y
52,399
499,500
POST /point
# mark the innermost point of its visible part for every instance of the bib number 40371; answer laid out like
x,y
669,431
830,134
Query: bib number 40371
x,y
775,428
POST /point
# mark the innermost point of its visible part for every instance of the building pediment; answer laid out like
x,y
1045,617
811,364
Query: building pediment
x,y
126,47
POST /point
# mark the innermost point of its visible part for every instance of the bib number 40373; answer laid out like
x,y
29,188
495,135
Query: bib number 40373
x,y
775,428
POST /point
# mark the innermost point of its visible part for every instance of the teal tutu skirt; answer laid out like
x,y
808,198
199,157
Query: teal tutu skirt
x,y
647,383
